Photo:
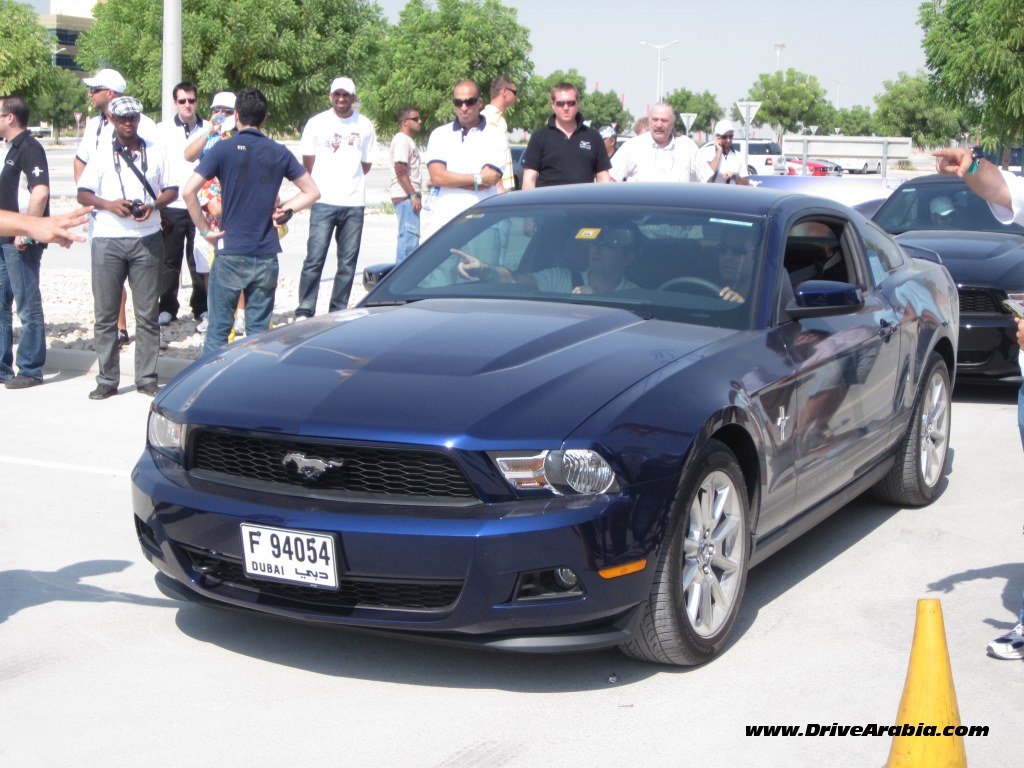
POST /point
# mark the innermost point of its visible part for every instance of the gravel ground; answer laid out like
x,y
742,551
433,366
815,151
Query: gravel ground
x,y
68,309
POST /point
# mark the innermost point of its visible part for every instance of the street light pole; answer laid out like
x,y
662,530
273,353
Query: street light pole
x,y
659,61
838,83
779,47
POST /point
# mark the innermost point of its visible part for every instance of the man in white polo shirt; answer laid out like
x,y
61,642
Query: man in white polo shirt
x,y
660,155
727,166
465,159
337,147
126,242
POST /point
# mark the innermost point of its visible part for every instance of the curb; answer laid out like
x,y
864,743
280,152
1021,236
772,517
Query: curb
x,y
84,361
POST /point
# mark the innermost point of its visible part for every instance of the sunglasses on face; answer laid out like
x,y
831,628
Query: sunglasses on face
x,y
97,88
342,95
222,110
571,103
513,90
186,101
417,118
466,102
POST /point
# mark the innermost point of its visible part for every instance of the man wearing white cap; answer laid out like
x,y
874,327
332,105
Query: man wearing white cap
x,y
726,163
337,147
105,85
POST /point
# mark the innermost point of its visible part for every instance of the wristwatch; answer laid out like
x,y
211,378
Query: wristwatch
x,y
976,154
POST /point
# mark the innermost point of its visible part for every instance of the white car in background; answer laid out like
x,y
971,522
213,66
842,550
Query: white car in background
x,y
763,155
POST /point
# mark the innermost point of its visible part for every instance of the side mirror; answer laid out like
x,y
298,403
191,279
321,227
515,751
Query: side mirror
x,y
375,273
824,298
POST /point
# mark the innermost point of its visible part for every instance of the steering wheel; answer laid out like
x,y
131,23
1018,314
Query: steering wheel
x,y
676,282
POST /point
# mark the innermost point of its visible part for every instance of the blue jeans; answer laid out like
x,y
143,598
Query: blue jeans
x,y
346,224
19,284
408,230
230,276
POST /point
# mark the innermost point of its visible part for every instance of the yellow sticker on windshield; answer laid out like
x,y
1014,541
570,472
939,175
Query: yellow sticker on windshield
x,y
588,233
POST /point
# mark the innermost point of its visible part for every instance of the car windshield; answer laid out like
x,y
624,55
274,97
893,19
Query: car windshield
x,y
663,263
938,207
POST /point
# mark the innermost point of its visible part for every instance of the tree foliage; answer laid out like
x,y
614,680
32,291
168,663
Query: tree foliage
x,y
973,49
289,49
855,121
605,108
24,52
57,103
791,100
431,49
705,105
910,106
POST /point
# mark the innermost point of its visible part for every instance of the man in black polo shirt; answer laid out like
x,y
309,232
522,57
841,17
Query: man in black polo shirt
x,y
250,167
565,151
21,256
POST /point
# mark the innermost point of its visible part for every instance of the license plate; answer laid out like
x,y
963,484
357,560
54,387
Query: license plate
x,y
296,557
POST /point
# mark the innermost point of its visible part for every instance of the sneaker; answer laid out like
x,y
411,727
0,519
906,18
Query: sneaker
x,y
1010,645
22,382
240,323
164,318
123,339
204,322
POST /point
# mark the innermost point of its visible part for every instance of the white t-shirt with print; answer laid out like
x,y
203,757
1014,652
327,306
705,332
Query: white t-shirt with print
x,y
339,146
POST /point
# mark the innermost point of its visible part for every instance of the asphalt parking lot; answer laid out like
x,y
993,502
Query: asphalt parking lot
x,y
97,667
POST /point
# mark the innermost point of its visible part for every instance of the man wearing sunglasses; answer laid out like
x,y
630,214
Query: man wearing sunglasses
x,y
464,159
503,97
104,86
407,181
338,147
565,151
179,232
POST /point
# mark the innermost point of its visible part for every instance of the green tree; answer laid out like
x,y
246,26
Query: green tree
x,y
431,49
855,121
973,50
604,108
910,106
25,51
289,49
57,103
791,100
705,105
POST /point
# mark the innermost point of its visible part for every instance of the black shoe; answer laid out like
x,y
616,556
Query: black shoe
x,y
123,339
102,392
148,389
22,382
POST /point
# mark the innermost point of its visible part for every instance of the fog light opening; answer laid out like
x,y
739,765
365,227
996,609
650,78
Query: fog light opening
x,y
548,584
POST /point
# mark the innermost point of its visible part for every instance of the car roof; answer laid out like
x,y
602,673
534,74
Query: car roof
x,y
748,201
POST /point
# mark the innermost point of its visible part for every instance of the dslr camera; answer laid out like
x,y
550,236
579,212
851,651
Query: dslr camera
x,y
138,209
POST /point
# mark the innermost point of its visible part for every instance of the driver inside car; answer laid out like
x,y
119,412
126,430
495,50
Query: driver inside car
x,y
736,262
608,255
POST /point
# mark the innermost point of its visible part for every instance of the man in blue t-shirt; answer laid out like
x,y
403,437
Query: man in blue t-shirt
x,y
250,167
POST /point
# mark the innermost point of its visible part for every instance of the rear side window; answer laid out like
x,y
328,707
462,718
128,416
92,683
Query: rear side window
x,y
764,148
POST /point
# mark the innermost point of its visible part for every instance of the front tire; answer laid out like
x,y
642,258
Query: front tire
x,y
921,457
702,569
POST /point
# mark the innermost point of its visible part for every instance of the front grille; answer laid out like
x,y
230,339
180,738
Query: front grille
x,y
353,592
351,470
980,300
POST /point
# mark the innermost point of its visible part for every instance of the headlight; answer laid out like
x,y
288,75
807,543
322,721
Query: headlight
x,y
575,471
166,436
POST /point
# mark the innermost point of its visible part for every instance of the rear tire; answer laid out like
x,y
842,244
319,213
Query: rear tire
x,y
702,569
921,457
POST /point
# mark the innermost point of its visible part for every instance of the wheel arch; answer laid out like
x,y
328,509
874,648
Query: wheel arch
x,y
741,443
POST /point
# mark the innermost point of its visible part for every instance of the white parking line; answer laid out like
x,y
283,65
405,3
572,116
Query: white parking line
x,y
64,466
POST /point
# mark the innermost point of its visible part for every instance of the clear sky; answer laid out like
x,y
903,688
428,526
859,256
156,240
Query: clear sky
x,y
722,47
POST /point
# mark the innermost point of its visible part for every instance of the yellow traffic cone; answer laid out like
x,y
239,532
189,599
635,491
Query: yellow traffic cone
x,y
929,702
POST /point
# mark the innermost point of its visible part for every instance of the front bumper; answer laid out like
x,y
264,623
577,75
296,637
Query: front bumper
x,y
988,347
445,574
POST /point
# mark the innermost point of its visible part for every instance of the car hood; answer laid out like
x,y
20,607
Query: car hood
x,y
447,372
975,258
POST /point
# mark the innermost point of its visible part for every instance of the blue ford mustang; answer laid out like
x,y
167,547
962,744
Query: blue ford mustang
x,y
573,419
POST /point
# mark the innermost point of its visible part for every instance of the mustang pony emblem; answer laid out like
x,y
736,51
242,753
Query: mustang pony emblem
x,y
309,467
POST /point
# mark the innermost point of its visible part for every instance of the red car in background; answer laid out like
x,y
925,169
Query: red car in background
x,y
794,166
